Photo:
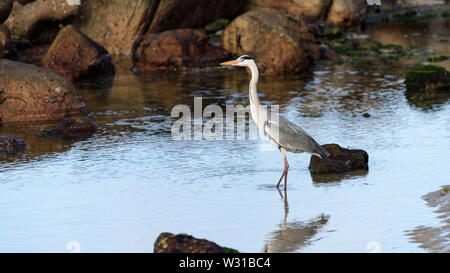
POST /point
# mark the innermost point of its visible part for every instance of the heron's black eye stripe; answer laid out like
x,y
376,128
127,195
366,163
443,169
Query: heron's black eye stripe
x,y
245,57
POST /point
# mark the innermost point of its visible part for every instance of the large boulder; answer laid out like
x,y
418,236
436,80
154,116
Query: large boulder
x,y
279,41
116,24
346,13
183,243
340,160
5,9
75,56
173,14
315,8
23,19
29,93
120,25
176,49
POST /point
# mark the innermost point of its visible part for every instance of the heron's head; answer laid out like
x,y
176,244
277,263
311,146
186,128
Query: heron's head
x,y
244,60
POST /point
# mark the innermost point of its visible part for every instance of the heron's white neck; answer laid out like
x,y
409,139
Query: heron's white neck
x,y
253,94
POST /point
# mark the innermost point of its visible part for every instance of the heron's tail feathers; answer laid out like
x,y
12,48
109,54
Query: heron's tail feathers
x,y
322,152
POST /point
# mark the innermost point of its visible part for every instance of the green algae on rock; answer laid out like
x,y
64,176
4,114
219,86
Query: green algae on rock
x,y
428,78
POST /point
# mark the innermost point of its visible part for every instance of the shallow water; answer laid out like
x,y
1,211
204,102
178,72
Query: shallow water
x,y
116,191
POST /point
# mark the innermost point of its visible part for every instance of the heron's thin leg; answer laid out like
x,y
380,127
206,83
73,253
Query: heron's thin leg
x,y
285,171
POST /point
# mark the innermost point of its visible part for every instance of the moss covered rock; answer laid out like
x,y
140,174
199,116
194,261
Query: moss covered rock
x,y
340,160
427,78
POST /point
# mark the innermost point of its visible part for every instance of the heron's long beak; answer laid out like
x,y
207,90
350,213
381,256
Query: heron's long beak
x,y
230,62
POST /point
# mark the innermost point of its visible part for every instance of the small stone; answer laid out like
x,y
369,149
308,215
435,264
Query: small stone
x,y
366,115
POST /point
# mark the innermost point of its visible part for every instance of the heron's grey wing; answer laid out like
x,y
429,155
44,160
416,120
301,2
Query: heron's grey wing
x,y
291,137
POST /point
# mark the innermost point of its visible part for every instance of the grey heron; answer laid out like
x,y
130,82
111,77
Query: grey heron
x,y
280,132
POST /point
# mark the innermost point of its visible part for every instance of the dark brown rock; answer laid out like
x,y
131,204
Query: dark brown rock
x,y
4,41
314,8
340,160
279,41
10,145
5,9
29,93
24,18
76,126
23,2
75,56
176,49
183,243
172,14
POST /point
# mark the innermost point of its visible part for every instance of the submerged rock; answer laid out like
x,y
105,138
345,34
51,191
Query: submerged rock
x,y
10,145
340,160
5,9
29,93
428,79
183,243
24,18
263,34
176,49
75,56
76,126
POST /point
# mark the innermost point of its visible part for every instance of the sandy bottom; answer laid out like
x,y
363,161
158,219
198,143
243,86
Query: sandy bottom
x,y
435,239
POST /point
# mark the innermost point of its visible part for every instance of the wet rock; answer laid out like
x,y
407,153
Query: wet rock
x,y
346,13
340,160
5,9
435,239
75,56
263,34
172,14
4,41
24,18
435,59
183,243
10,145
29,93
217,25
428,79
117,25
176,49
329,54
47,132
314,8
76,126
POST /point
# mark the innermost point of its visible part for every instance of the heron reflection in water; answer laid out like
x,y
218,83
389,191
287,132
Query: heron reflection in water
x,y
280,132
